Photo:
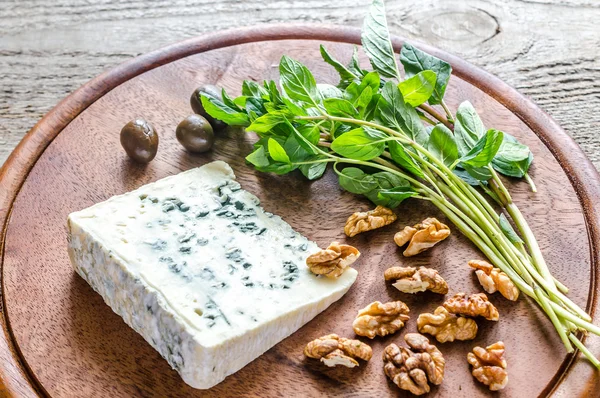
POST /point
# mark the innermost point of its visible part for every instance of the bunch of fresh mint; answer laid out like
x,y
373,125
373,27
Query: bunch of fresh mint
x,y
385,142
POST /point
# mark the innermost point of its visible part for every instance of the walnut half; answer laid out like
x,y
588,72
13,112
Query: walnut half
x,y
413,280
493,279
333,350
412,368
366,221
333,261
446,326
422,236
379,319
472,306
489,365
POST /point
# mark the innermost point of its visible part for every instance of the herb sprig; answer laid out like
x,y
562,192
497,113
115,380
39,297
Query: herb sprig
x,y
372,130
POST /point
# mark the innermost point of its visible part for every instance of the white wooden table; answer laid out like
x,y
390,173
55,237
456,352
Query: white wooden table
x,y
548,49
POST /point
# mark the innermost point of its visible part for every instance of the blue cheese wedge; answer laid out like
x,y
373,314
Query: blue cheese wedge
x,y
200,270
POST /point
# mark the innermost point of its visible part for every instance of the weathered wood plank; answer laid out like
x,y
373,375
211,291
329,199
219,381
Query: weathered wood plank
x,y
547,49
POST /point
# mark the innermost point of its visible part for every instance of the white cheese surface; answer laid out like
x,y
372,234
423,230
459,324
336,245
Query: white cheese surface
x,y
194,264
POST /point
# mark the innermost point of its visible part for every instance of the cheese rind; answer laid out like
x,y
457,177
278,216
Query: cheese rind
x,y
200,270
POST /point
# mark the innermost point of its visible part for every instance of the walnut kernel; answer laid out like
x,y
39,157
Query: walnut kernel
x,y
446,326
489,365
422,236
379,319
333,350
333,261
366,221
337,357
403,237
493,279
411,368
473,305
413,280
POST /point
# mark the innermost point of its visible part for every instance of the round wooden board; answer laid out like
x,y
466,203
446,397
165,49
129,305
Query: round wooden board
x,y
60,339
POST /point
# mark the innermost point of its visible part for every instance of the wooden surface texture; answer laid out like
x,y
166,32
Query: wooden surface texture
x,y
547,49
66,342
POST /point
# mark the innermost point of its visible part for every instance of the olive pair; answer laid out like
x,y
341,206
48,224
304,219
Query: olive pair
x,y
195,133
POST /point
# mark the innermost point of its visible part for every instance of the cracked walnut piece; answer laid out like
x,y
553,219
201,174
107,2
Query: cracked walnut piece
x,y
413,280
366,221
473,305
379,319
411,368
493,279
422,236
333,261
489,365
333,350
446,326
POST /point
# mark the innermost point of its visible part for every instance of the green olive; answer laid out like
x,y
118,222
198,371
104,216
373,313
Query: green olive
x,y
210,91
195,134
140,141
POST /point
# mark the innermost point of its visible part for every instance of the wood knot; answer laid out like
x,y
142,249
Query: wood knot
x,y
466,27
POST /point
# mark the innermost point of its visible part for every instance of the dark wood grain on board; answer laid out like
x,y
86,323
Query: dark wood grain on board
x,y
60,338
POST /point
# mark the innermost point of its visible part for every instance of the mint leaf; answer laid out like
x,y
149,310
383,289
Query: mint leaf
x,y
227,114
297,81
513,158
376,41
417,89
466,177
259,157
346,75
508,230
468,127
360,144
307,136
387,182
354,65
277,152
340,107
252,89
355,89
478,173
313,171
310,132
403,159
393,112
255,107
267,122
397,194
295,109
415,61
294,150
364,99
274,94
329,91
354,180
484,150
442,145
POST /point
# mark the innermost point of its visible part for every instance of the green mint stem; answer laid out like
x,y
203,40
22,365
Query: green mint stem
x,y
428,120
581,323
531,183
433,113
527,234
584,350
562,288
447,110
491,194
552,315
428,175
